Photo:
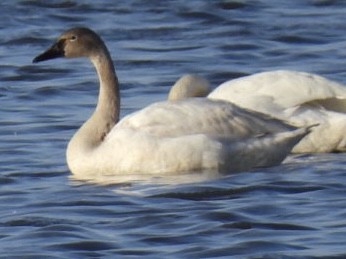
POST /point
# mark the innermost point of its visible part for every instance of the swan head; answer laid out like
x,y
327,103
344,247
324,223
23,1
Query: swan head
x,y
75,42
189,85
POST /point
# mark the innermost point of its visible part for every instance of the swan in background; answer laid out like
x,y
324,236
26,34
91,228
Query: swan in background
x,y
171,137
299,98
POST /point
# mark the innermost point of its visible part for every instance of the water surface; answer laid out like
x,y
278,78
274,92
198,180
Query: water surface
x,y
296,210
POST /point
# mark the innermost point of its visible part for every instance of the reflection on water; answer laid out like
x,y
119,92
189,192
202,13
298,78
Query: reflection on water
x,y
295,210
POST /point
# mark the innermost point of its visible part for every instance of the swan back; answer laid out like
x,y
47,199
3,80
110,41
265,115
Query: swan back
x,y
215,118
280,90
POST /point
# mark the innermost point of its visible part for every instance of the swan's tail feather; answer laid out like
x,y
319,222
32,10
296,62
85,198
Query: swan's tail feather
x,y
263,151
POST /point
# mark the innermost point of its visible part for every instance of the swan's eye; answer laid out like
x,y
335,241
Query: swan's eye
x,y
73,38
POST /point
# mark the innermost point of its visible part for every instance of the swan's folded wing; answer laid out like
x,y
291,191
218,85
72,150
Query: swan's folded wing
x,y
200,116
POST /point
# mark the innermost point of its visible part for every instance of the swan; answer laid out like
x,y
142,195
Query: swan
x,y
299,98
169,137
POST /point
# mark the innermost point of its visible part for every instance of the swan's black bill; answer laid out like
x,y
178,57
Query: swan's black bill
x,y
55,51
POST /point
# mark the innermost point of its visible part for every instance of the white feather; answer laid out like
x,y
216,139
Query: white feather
x,y
300,98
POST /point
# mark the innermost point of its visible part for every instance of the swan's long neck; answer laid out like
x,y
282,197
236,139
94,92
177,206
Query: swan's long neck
x,y
106,114
108,105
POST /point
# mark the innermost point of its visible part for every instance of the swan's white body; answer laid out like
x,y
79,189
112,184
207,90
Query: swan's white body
x,y
186,136
300,98
169,137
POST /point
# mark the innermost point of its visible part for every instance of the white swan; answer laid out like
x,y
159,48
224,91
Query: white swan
x,y
300,98
167,137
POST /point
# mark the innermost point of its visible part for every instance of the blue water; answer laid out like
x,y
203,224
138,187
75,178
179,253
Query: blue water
x,y
295,210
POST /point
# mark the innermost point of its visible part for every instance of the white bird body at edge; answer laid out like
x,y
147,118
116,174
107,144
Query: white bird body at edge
x,y
300,98
172,137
